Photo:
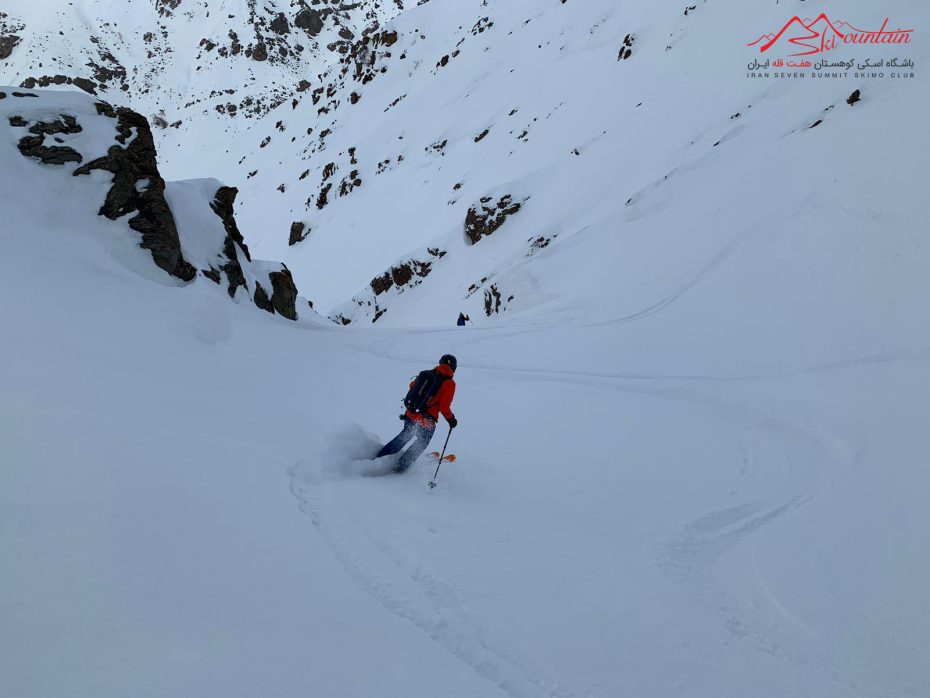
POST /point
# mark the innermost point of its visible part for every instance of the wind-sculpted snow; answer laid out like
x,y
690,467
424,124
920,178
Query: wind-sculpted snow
x,y
188,227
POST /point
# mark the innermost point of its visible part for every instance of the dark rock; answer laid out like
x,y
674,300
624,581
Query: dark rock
x,y
67,124
34,146
7,44
87,85
492,300
31,146
483,220
222,205
853,98
284,293
381,284
310,21
260,52
261,299
46,80
165,7
401,275
323,197
280,25
131,166
299,232
626,50
105,109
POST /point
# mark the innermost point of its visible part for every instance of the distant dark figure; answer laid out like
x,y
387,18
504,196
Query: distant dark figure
x,y
463,318
430,395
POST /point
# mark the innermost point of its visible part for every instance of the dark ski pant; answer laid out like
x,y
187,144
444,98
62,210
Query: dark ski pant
x,y
412,431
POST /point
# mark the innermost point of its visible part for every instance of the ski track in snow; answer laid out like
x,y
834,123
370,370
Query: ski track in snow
x,y
689,555
428,602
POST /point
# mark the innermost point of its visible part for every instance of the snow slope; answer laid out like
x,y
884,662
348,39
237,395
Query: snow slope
x,y
181,512
690,452
643,167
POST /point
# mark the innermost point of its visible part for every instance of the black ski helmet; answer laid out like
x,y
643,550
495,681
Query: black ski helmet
x,y
449,360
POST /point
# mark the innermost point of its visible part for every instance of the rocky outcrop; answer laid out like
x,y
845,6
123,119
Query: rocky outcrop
x,y
7,44
9,38
374,300
138,187
222,206
201,239
405,275
626,50
89,86
310,21
284,293
299,233
485,218
34,146
283,297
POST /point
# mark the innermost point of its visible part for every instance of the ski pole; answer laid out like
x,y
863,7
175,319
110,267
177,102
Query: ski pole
x,y
432,483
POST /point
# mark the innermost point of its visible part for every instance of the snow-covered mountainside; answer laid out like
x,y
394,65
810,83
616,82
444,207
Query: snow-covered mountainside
x,y
691,406
491,146
200,70
96,167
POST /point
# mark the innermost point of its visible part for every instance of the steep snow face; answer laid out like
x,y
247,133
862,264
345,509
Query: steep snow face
x,y
670,500
503,158
96,167
199,69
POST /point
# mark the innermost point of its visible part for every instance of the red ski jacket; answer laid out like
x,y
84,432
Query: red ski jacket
x,y
441,402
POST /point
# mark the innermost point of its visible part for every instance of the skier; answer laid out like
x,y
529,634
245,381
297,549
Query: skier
x,y
435,389
463,318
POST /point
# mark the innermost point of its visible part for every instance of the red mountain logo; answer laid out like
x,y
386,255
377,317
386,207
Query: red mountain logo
x,y
822,34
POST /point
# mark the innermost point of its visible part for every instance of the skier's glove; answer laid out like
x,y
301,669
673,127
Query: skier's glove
x,y
453,423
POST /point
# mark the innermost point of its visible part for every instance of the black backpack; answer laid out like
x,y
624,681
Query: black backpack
x,y
424,389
